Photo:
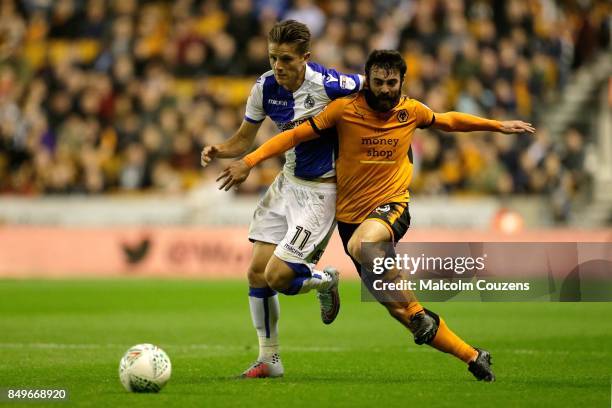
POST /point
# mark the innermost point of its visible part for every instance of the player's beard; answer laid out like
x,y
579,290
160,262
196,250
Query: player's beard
x,y
381,103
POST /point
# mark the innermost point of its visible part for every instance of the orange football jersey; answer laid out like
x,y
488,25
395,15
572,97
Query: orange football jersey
x,y
372,167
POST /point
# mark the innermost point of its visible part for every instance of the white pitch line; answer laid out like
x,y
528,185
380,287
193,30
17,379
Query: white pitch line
x,y
305,349
216,347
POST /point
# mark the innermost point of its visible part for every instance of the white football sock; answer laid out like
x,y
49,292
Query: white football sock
x,y
265,312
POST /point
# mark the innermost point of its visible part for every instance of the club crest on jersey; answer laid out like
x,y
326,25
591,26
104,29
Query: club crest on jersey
x,y
309,103
402,116
383,209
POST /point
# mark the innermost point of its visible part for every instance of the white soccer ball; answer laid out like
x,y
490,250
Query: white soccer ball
x,y
144,368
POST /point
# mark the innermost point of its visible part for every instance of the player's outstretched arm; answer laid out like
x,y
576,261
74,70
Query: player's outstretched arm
x,y
464,122
235,146
238,171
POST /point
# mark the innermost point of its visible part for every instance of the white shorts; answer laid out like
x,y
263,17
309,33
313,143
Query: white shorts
x,y
298,217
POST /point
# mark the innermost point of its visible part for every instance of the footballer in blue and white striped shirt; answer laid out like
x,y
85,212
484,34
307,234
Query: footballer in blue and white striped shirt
x,y
295,218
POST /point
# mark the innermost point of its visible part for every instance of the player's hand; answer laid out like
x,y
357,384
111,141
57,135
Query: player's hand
x,y
208,154
234,175
516,126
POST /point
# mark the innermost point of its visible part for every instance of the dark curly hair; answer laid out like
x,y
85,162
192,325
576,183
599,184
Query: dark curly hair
x,y
389,60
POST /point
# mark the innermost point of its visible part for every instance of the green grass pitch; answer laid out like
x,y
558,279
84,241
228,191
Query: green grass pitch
x,y
71,334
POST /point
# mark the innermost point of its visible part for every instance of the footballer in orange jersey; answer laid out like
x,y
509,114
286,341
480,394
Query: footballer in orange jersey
x,y
375,129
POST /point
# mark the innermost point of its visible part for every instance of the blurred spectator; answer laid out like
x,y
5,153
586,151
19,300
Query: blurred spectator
x,y
309,13
134,170
242,24
256,61
94,24
121,95
64,20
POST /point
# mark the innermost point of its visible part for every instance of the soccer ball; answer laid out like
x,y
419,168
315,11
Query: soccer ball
x,y
144,368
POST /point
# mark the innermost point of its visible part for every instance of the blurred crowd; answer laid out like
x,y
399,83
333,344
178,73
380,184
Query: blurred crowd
x,y
121,95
